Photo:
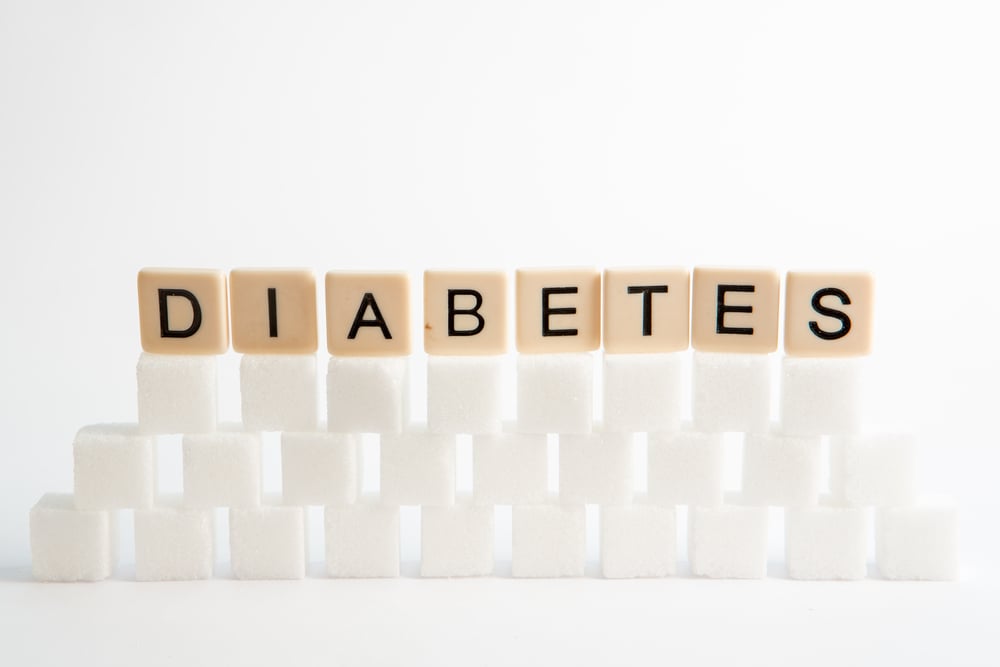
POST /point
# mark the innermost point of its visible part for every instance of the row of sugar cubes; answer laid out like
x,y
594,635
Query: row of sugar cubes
x,y
554,393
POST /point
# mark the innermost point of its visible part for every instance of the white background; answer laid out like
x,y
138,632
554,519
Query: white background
x,y
414,134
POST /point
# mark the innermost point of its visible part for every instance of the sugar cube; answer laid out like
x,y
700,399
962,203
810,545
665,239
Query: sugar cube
x,y
510,469
638,541
781,470
685,468
596,468
464,394
362,540
177,393
69,544
278,392
873,469
456,541
267,542
642,392
417,468
222,469
826,542
731,392
821,396
919,542
548,541
728,542
555,393
319,468
173,542
114,467
367,394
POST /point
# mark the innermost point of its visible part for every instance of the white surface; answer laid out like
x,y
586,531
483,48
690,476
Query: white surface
x,y
781,470
465,394
643,392
456,134
821,396
177,394
114,467
731,392
362,540
319,468
278,392
555,393
368,395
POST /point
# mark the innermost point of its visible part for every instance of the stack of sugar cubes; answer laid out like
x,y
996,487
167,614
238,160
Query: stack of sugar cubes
x,y
647,318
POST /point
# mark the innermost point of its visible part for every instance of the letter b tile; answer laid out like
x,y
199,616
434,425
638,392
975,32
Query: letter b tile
x,y
465,312
183,311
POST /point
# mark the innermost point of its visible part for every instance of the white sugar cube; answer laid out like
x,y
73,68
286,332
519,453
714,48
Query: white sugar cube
x,y
362,540
728,542
731,392
555,393
781,470
319,468
278,392
873,470
596,468
918,542
510,469
367,394
456,541
268,542
638,541
821,396
417,468
177,393
69,544
222,469
114,467
464,394
685,468
548,541
173,543
826,542
642,392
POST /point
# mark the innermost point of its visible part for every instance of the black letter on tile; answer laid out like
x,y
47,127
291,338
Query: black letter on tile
x,y
165,330
647,292
368,301
845,321
474,311
272,312
721,309
546,311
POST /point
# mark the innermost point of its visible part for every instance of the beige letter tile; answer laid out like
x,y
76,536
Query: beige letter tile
x,y
828,314
646,310
465,312
558,310
273,311
735,310
183,311
367,314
